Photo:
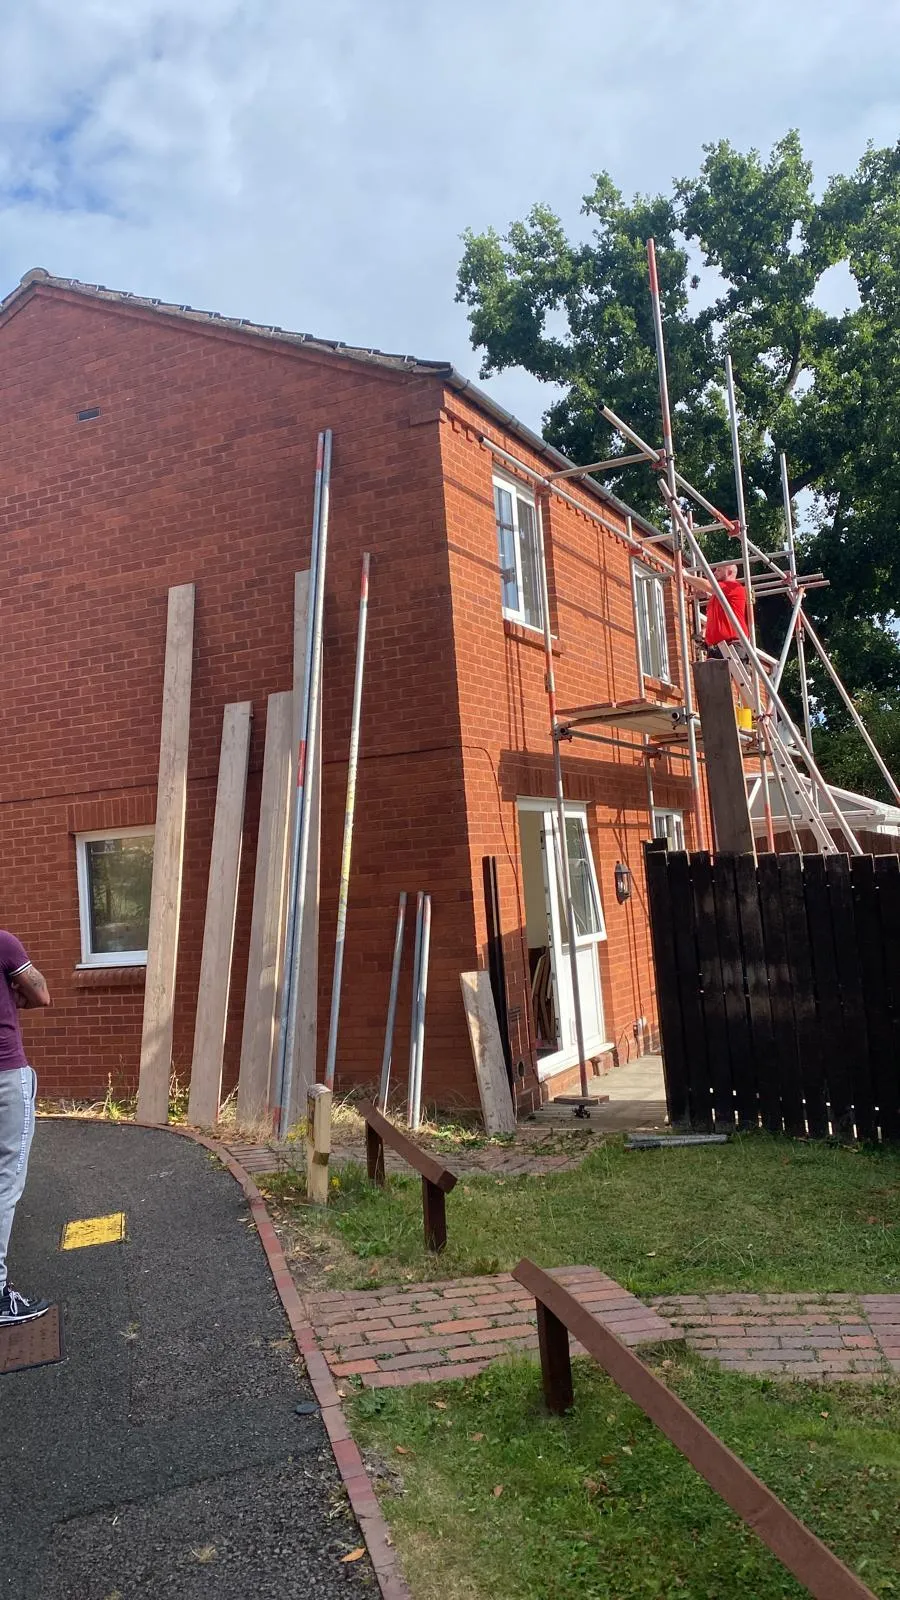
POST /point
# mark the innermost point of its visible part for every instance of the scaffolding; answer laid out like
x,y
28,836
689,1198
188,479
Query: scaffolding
x,y
781,753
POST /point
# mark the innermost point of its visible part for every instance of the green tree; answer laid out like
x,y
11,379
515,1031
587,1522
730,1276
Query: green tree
x,y
821,387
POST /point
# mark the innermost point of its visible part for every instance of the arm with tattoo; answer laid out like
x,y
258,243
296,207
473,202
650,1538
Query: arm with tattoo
x,y
30,988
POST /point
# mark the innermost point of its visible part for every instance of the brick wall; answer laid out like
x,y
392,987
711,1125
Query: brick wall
x,y
200,468
507,748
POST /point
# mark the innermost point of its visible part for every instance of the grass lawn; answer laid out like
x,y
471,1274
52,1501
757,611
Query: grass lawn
x,y
491,1499
759,1213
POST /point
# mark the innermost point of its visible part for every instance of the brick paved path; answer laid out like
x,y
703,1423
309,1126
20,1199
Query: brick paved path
x,y
434,1331
497,1160
824,1336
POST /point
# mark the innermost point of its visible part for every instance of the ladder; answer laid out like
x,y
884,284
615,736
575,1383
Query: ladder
x,y
777,742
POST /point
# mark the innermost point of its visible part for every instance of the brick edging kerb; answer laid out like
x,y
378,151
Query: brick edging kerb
x,y
362,1496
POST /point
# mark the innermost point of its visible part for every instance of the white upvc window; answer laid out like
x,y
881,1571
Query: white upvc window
x,y
669,825
650,619
517,544
115,869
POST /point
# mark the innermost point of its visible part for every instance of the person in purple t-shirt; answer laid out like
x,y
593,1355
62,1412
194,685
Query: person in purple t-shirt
x,y
21,985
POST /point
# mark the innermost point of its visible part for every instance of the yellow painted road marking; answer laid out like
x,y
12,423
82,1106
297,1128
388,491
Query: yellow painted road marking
x,y
94,1230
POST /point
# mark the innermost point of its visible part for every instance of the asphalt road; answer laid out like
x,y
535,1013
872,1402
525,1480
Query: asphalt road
x,y
164,1456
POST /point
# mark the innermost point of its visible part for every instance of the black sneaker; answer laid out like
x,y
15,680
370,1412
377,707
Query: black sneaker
x,y
14,1308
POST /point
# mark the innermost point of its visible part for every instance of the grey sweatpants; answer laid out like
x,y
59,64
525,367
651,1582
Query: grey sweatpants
x,y
18,1089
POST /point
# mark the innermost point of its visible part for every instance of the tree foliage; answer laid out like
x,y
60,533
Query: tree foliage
x,y
742,249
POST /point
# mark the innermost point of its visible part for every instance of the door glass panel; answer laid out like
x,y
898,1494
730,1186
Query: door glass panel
x,y
581,877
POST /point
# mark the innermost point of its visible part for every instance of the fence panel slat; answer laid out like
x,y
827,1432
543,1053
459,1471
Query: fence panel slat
x,y
887,878
837,870
688,968
668,996
810,1043
713,990
870,946
757,980
740,1042
781,993
828,1001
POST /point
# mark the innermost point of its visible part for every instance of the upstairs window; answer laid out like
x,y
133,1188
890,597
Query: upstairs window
x,y
650,619
114,876
669,825
517,544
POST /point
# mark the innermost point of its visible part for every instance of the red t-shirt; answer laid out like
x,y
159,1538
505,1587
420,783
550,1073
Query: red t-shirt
x,y
718,624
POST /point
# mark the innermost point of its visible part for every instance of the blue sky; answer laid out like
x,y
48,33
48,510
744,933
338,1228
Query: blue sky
x,y
314,166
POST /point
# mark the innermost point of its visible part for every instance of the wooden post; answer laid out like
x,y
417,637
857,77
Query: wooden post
x,y
434,1215
374,1156
556,1362
221,911
724,761
318,1142
255,1088
168,852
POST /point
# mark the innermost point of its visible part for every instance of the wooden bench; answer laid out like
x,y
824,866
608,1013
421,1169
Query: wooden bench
x,y
437,1181
559,1314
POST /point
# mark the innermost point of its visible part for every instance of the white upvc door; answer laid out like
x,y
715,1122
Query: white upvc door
x,y
590,930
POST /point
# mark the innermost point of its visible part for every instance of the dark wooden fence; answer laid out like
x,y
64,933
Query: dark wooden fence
x,y
778,984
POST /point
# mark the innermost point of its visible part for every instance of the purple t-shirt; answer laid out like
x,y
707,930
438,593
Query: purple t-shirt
x,y
13,959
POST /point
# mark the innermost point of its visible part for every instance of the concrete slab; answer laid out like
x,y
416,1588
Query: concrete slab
x,y
637,1100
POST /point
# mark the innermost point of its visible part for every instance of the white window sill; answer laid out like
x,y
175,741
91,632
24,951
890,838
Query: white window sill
x,y
116,962
527,633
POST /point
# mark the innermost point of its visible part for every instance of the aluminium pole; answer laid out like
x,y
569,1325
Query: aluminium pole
x,y
832,673
349,817
550,686
299,769
421,997
778,673
414,1010
392,1005
681,604
792,569
309,731
748,585
757,664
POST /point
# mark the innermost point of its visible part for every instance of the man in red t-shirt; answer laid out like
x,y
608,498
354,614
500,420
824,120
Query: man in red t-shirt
x,y
719,627
20,985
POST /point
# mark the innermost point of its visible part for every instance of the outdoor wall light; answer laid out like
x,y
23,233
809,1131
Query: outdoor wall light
x,y
623,882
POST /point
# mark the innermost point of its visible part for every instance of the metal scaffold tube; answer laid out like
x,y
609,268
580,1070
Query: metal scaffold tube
x,y
759,667
680,598
550,685
748,585
792,582
309,725
349,817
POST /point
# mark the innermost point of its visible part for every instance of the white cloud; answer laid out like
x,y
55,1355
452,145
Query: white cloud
x,y
314,166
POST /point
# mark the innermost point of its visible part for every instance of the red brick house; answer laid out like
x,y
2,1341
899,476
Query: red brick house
x,y
146,445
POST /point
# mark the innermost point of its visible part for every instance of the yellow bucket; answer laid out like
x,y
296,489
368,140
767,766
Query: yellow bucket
x,y
745,719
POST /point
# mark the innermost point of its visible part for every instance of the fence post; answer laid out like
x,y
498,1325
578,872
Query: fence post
x,y
556,1363
434,1215
374,1156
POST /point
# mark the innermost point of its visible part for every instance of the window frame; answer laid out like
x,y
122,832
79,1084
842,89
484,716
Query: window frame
x,y
518,491
661,814
90,958
642,577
